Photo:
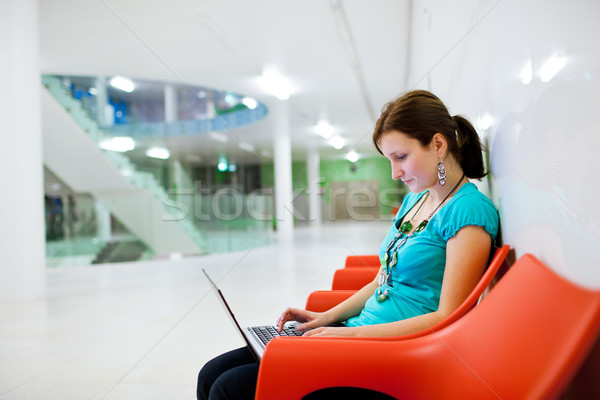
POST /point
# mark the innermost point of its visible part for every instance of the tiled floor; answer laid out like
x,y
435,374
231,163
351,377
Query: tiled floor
x,y
142,330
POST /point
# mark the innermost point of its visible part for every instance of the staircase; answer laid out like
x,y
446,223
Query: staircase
x,y
71,151
121,251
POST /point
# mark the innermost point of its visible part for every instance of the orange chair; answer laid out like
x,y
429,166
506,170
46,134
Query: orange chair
x,y
353,278
357,268
367,260
525,340
356,277
323,300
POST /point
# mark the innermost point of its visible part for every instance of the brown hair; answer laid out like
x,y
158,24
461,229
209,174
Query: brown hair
x,y
420,115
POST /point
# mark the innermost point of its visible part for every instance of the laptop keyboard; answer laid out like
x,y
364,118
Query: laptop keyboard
x,y
266,333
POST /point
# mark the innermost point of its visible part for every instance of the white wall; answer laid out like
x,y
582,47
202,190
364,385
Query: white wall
x,y
544,135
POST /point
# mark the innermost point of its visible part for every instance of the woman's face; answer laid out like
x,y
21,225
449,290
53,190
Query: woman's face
x,y
413,163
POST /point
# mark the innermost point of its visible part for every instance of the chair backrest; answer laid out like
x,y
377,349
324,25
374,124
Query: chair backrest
x,y
354,278
525,340
486,279
367,260
529,336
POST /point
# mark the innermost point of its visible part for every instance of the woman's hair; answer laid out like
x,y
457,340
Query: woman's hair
x,y
420,115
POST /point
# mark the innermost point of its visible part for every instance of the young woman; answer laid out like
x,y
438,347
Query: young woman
x,y
432,256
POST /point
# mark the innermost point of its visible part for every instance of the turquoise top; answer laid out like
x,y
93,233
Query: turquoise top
x,y
417,277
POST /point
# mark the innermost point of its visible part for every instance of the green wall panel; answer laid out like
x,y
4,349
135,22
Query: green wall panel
x,y
391,192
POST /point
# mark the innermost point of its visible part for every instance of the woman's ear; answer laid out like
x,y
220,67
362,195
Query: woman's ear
x,y
440,144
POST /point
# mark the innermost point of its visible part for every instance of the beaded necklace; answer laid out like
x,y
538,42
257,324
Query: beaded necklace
x,y
407,225
387,264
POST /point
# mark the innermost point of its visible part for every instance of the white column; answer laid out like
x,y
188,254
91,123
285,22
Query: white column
x,y
171,109
22,236
103,227
178,180
209,105
178,174
282,155
104,111
314,199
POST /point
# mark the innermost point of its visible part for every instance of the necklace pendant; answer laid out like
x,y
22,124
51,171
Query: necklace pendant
x,y
406,227
382,295
382,278
421,226
394,260
393,241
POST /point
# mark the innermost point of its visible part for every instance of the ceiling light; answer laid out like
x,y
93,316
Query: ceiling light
x,y
337,142
246,146
324,129
276,84
158,152
250,102
123,84
352,156
551,68
121,144
219,137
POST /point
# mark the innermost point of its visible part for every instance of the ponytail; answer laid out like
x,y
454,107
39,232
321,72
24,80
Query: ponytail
x,y
469,148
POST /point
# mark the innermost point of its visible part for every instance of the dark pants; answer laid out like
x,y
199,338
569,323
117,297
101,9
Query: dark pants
x,y
232,375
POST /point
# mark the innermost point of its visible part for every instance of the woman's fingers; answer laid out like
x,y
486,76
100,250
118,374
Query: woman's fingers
x,y
307,319
291,314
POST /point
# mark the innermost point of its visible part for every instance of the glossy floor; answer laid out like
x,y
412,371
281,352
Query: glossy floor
x,y
142,330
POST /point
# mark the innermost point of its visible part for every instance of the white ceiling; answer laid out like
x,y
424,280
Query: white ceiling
x,y
225,44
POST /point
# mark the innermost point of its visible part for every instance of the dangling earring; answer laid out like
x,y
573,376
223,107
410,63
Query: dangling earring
x,y
441,173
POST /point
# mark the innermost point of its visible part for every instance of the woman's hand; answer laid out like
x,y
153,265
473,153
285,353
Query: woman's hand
x,y
308,319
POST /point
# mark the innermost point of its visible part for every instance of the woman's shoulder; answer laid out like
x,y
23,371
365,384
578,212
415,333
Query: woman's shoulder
x,y
469,207
470,194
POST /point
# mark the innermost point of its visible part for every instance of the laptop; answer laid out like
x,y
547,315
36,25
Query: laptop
x,y
256,337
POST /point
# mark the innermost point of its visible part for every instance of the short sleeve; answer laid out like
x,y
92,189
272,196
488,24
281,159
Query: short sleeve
x,y
470,209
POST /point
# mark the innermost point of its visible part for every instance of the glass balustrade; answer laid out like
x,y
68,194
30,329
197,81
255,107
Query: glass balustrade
x,y
80,231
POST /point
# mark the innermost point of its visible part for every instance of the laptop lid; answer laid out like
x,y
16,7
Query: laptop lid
x,y
256,348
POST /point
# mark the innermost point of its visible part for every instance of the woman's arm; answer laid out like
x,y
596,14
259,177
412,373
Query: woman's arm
x,y
346,309
352,306
466,259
